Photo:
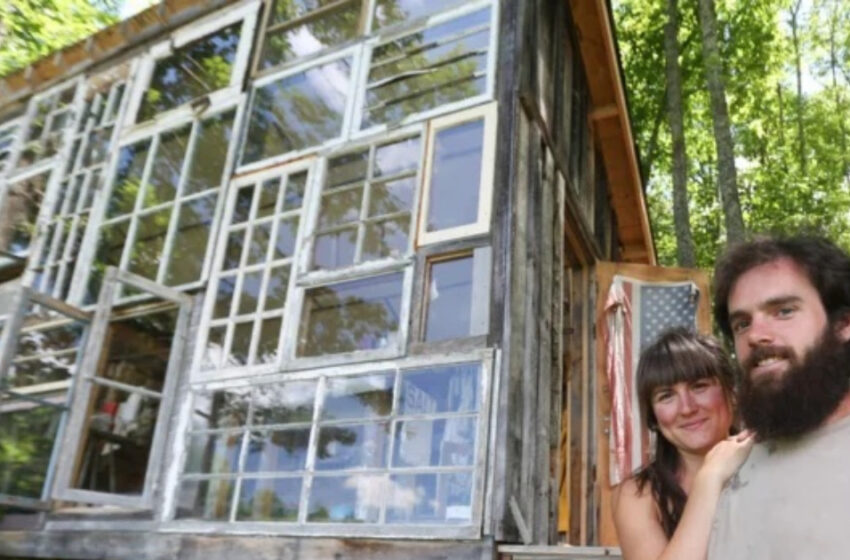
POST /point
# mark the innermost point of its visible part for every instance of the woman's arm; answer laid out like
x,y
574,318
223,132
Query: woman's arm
x,y
637,519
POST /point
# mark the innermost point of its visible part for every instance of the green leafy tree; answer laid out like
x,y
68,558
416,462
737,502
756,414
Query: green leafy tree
x,y
32,29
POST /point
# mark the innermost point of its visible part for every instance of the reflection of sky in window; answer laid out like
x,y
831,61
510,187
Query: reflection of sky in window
x,y
397,157
358,397
456,176
447,442
421,498
303,41
449,299
451,388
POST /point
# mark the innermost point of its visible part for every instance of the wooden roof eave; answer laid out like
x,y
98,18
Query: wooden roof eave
x,y
610,118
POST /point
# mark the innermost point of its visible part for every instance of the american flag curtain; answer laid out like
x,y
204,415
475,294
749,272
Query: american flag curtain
x,y
636,312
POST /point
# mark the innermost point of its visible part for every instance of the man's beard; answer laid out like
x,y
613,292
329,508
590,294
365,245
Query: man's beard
x,y
799,399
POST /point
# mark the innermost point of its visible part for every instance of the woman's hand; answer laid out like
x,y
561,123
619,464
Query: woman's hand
x,y
726,457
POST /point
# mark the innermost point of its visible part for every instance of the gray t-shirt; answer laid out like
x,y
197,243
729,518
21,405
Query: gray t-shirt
x,y
790,500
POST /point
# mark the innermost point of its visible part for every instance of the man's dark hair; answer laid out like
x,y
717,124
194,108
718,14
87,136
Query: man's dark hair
x,y
824,263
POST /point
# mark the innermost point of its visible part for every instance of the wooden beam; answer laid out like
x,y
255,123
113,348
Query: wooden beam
x,y
605,112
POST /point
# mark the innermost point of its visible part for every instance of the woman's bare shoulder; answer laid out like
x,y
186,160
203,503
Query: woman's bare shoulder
x,y
637,521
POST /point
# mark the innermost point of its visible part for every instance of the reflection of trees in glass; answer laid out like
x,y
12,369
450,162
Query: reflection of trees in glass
x,y
19,213
338,319
26,441
284,404
389,12
196,69
427,69
287,40
298,111
128,178
167,166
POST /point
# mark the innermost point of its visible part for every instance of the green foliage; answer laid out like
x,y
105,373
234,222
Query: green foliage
x,y
776,195
32,29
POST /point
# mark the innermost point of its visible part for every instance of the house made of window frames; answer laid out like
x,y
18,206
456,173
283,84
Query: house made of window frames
x,y
313,279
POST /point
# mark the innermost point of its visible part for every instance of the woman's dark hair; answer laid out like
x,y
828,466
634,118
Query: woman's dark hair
x,y
676,355
825,264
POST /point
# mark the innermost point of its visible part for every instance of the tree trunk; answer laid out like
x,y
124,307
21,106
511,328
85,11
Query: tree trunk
x,y
795,40
685,252
727,179
839,104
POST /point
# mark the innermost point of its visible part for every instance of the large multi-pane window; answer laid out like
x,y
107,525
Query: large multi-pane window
x,y
164,197
48,118
427,68
71,206
366,203
200,65
390,447
300,109
251,284
40,356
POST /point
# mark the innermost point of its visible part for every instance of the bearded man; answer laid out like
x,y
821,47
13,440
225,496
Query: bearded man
x,y
785,303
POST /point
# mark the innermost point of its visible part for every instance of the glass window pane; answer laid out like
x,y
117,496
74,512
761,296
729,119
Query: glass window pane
x,y
397,157
447,442
224,296
109,251
352,446
213,453
249,296
392,197
277,287
294,196
267,346
233,250
284,403
196,69
27,434
449,299
440,389
19,214
428,68
209,153
287,233
340,207
298,111
242,209
188,253
268,197
241,344
269,499
430,498
455,176
347,168
148,243
356,315
224,408
366,396
314,35
346,499
386,238
209,500
389,12
167,167
214,351
277,451
128,178
258,249
336,249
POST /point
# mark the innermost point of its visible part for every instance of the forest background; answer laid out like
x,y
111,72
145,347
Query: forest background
x,y
739,103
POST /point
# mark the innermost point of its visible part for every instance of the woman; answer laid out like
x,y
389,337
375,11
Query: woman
x,y
685,387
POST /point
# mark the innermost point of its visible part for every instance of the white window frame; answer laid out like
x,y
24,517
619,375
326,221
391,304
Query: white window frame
x,y
489,113
394,32
14,174
10,333
366,7
72,443
199,374
355,52
17,125
247,12
481,476
305,258
98,213
105,168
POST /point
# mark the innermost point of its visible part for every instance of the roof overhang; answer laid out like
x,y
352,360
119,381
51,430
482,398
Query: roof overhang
x,y
610,120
